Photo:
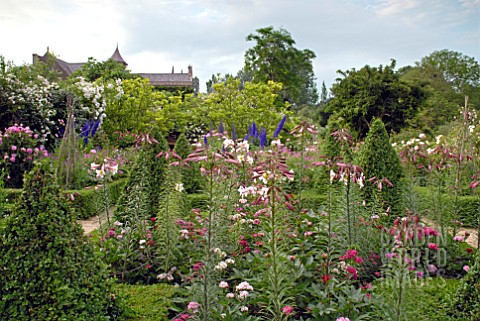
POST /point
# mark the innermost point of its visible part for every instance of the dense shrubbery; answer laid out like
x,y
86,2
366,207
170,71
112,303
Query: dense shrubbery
x,y
47,261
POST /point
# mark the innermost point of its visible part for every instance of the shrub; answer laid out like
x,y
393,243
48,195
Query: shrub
x,y
468,205
378,159
146,302
49,270
466,302
191,176
85,202
148,173
19,147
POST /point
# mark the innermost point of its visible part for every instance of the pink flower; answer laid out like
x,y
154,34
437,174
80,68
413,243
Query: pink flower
x,y
358,260
432,268
14,147
308,233
466,268
433,246
458,238
342,319
351,254
193,306
287,310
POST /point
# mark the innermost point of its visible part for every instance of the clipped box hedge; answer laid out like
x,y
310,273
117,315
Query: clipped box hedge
x,y
469,205
145,302
83,202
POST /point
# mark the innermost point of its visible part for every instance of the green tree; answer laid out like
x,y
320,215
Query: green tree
x,y
371,92
49,269
232,104
105,70
445,77
460,71
378,159
274,57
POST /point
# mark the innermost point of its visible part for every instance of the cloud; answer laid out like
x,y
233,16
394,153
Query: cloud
x,y
210,35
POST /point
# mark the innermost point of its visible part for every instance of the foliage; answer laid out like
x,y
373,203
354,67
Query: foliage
x,y
275,58
239,107
460,71
59,276
145,302
465,303
191,178
379,161
426,300
147,174
171,208
373,92
32,101
20,147
85,202
134,106
94,70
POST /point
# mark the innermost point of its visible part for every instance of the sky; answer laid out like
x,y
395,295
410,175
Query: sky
x,y
210,35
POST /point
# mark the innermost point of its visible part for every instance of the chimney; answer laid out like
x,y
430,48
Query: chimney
x,y
190,70
35,58
173,69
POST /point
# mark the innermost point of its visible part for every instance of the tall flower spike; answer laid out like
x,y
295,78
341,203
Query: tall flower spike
x,y
221,129
263,137
280,126
205,140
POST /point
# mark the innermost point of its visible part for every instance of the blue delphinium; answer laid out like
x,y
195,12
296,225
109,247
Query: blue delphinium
x,y
221,129
252,130
89,129
280,126
263,138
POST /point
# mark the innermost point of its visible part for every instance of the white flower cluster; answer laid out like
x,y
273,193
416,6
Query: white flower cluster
x,y
224,264
37,94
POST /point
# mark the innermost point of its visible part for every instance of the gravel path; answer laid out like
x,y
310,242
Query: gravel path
x,y
472,239
94,222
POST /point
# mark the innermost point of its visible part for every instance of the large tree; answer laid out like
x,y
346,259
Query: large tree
x,y
373,92
445,77
274,57
106,70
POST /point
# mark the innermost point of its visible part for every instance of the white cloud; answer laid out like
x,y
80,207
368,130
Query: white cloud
x,y
210,35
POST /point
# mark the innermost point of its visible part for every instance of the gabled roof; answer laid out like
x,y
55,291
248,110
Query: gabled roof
x,y
118,57
166,79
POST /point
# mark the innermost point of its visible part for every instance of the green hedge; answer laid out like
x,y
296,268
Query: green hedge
x,y
145,302
198,201
313,199
469,205
83,203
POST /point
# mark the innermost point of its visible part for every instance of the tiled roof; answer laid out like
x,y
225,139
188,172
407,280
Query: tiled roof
x,y
118,57
156,79
168,79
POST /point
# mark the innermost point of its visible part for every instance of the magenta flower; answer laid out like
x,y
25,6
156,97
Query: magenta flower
x,y
287,310
433,246
14,147
351,254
